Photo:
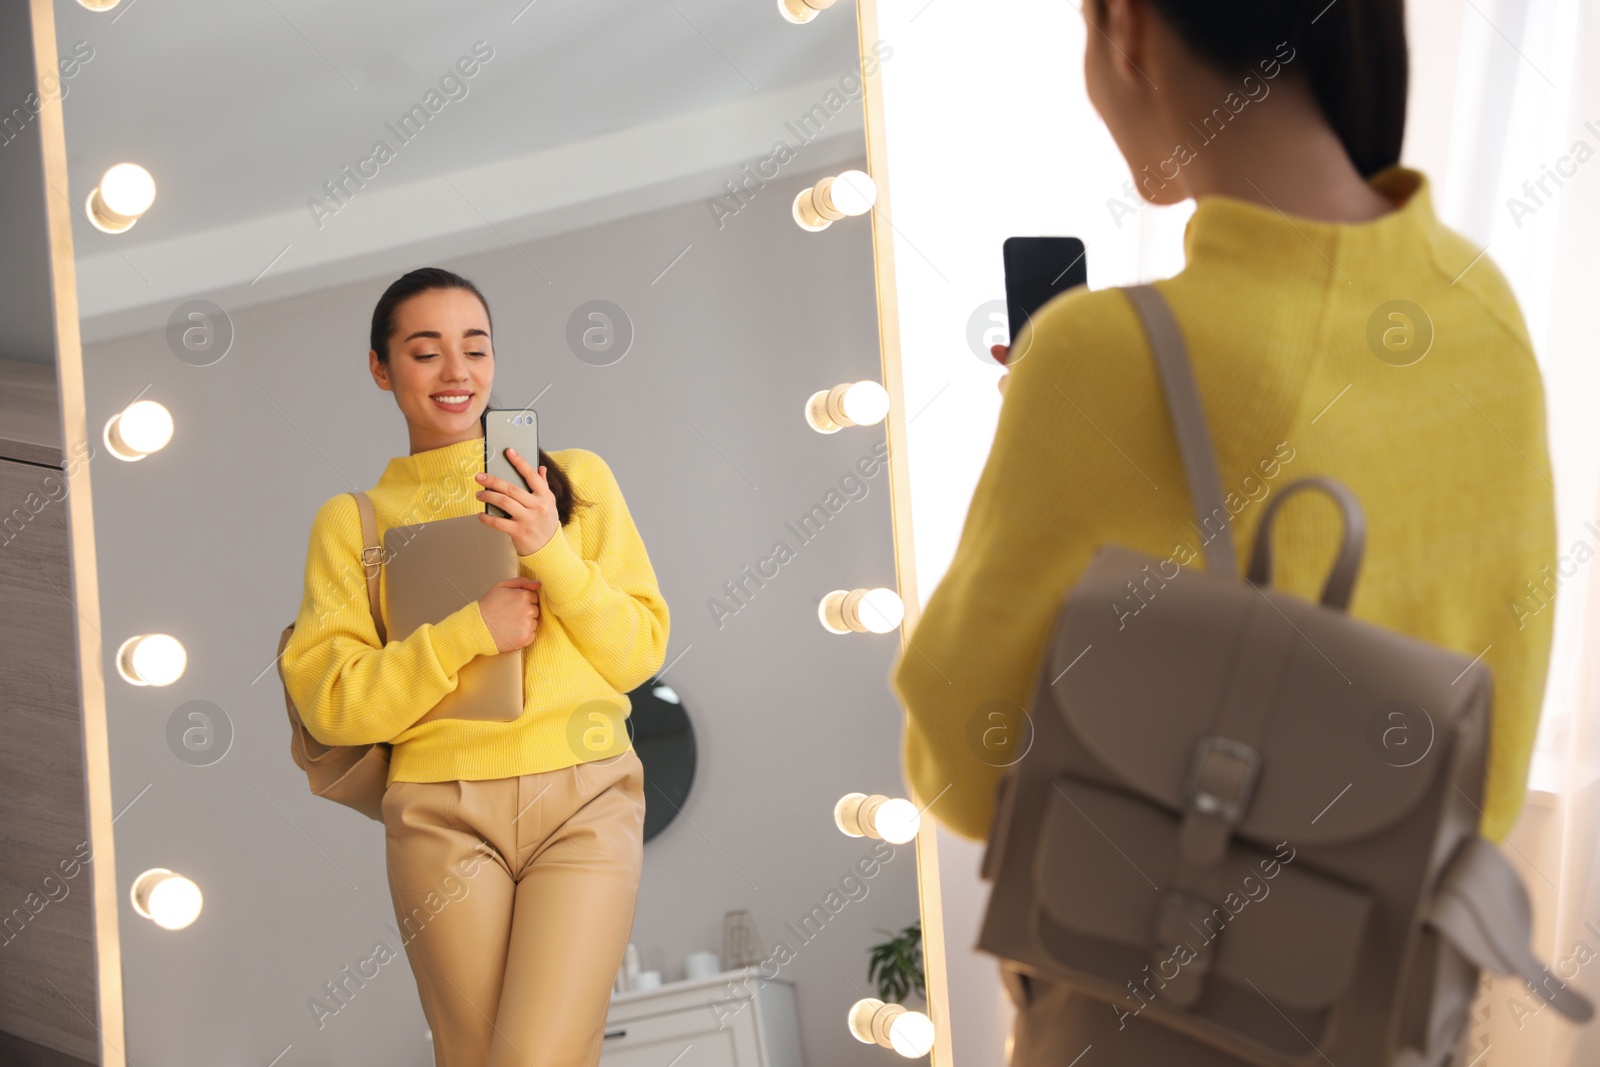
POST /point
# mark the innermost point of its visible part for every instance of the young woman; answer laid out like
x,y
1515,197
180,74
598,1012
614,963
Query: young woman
x,y
1334,326
514,848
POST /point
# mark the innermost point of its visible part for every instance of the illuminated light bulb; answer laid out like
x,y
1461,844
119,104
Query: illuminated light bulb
x,y
866,403
848,404
151,659
139,429
861,610
851,192
880,610
125,192
910,1033
169,900
667,693
99,5
803,11
127,189
895,820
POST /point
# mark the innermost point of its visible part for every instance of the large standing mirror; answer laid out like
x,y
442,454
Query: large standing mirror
x,y
663,205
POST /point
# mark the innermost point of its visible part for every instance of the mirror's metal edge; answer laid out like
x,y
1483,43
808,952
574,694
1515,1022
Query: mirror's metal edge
x,y
85,572
930,900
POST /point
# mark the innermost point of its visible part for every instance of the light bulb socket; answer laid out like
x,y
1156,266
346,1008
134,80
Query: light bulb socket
x,y
115,443
803,11
825,409
125,660
871,1018
822,199
105,219
838,611
142,888
855,814
806,213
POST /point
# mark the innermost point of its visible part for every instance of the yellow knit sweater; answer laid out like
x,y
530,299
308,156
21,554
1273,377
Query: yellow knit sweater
x,y
1284,319
602,629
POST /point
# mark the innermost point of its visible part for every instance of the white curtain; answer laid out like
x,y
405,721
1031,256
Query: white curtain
x,y
1505,118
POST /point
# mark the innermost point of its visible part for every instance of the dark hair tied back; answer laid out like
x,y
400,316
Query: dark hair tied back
x,y
1351,52
427,279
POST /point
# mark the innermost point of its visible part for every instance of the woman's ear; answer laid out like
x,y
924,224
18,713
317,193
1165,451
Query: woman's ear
x,y
1124,25
380,371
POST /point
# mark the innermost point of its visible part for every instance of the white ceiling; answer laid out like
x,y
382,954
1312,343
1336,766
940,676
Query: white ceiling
x,y
587,110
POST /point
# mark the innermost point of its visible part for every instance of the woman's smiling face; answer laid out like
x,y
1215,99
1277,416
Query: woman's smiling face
x,y
440,366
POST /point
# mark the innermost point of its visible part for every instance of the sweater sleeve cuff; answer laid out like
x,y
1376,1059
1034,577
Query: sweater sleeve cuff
x,y
560,571
460,636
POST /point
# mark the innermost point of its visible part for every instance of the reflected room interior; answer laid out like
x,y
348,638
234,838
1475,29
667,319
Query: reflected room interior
x,y
666,207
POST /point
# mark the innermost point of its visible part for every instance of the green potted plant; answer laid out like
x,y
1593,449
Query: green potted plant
x,y
896,964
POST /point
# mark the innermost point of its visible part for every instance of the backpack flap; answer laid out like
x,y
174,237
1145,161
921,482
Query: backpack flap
x,y
1109,904
1306,695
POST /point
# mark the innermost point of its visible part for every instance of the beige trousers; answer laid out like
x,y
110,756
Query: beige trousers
x,y
515,898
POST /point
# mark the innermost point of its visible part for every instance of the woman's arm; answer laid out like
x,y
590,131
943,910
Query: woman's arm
x,y
349,689
611,604
1075,451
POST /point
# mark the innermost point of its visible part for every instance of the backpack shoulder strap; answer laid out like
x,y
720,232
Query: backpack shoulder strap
x,y
1189,422
371,557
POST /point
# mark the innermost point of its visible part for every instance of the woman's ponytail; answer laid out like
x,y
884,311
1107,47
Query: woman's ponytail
x,y
1352,54
1355,56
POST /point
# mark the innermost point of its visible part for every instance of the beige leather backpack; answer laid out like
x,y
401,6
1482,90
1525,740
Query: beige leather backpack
x,y
353,775
1252,818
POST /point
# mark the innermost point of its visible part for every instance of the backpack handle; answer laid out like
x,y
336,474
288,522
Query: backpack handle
x,y
1341,580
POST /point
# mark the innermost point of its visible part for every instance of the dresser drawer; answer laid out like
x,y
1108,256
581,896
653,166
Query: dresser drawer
x,y
682,1039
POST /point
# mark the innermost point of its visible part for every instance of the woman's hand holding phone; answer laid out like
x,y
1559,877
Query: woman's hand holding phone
x,y
534,517
1000,354
511,611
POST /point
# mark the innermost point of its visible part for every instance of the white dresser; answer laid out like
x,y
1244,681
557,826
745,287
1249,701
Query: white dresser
x,y
733,1019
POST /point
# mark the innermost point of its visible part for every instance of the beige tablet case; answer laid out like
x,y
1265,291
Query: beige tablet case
x,y
436,568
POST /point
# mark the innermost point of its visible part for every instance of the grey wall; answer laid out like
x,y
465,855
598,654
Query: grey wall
x,y
702,424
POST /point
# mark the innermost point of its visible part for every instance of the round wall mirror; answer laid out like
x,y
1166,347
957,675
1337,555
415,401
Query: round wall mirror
x,y
664,739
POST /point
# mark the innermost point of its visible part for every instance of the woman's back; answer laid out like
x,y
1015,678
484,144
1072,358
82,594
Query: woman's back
x,y
1389,355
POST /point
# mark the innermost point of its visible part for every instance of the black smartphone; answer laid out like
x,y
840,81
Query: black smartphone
x,y
1038,268
504,428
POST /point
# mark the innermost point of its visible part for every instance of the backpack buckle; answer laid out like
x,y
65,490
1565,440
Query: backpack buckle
x,y
372,556
1222,778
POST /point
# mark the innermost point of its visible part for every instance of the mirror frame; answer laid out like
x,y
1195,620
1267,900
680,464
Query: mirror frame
x,y
80,525
929,898
105,937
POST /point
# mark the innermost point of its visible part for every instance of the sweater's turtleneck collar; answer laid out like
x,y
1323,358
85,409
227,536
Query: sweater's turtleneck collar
x,y
433,467
1223,227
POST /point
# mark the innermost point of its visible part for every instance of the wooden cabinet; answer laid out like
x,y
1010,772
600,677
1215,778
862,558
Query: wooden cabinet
x,y
47,964
735,1019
